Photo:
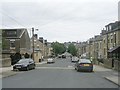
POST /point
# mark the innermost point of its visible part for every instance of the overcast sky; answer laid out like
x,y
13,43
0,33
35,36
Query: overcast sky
x,y
60,20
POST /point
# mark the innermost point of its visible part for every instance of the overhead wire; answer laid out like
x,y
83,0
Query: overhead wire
x,y
11,17
58,18
3,11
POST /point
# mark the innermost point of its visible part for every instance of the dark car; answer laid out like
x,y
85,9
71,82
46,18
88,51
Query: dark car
x,y
63,56
84,65
24,64
59,56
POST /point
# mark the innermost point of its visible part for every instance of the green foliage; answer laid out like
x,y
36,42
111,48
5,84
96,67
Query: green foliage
x,y
72,49
58,48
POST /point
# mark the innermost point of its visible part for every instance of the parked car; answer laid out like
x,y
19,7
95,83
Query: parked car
x,y
24,64
63,56
74,59
84,65
59,56
50,60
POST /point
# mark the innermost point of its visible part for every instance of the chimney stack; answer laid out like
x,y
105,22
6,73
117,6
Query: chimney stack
x,y
36,36
41,39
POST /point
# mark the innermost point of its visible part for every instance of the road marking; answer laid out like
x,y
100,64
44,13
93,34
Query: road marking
x,y
70,66
54,68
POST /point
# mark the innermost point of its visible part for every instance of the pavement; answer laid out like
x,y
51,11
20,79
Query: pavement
x,y
43,62
114,76
8,71
113,79
109,74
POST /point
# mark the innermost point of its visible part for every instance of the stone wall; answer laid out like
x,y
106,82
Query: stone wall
x,y
117,65
6,60
108,63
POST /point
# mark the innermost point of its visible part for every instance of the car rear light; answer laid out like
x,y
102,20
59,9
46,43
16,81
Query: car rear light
x,y
81,64
91,64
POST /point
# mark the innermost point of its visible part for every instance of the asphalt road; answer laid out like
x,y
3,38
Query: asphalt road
x,y
61,74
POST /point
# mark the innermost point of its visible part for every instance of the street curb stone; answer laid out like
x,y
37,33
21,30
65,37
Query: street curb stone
x,y
112,81
37,64
8,74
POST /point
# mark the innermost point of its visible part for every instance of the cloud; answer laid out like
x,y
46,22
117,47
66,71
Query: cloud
x,y
61,20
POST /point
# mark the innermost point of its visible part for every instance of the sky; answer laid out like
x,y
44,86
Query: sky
x,y
59,20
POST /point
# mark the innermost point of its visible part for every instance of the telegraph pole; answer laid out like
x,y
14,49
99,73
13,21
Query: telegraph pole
x,y
33,42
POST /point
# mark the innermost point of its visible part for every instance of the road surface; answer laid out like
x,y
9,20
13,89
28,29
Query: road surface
x,y
60,74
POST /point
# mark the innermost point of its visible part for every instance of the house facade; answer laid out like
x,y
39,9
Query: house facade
x,y
18,40
40,48
37,48
104,47
15,40
0,48
111,38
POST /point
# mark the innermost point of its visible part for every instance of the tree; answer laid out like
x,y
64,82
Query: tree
x,y
58,48
72,49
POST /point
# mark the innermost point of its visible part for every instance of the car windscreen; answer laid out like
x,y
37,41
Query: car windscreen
x,y
23,61
84,61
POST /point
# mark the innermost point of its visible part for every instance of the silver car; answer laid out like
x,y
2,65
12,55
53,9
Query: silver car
x,y
74,59
50,60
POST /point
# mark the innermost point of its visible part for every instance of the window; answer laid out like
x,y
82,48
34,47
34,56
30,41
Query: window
x,y
111,40
104,51
115,37
108,41
110,27
100,45
36,54
104,40
38,46
11,33
12,44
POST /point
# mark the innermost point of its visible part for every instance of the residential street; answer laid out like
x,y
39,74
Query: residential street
x,y
69,44
60,74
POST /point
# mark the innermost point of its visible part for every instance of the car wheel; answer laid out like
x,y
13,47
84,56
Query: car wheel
x,y
27,68
90,70
13,69
77,69
34,67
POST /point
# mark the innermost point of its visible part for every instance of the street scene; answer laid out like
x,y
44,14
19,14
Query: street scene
x,y
60,74
60,44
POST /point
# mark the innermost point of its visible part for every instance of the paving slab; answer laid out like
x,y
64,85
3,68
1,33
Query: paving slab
x,y
113,79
